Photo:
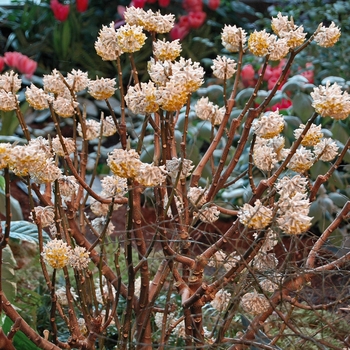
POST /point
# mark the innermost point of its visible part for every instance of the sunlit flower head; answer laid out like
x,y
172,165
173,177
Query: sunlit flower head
x,y
206,110
233,38
159,72
56,253
44,215
77,80
107,45
166,50
312,137
5,154
278,49
269,125
92,129
189,74
327,36
290,186
37,98
114,186
254,303
197,196
9,82
302,160
259,43
294,37
257,216
150,175
331,101
298,203
57,146
158,23
54,83
48,174
326,150
101,88
130,38
64,107
281,24
141,99
124,163
221,300
8,101
174,165
294,223
224,67
134,15
79,258
172,96
264,157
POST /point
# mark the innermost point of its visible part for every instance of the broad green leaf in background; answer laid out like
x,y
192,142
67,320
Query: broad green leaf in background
x,y
8,278
15,207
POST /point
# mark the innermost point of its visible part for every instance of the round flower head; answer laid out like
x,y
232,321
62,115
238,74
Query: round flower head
x,y
265,261
77,80
254,303
165,50
223,67
134,15
5,154
108,127
49,173
99,225
189,74
44,215
207,214
124,163
288,187
172,96
130,38
37,98
294,37
281,24
312,137
302,160
9,82
150,175
79,258
269,125
331,101
142,99
232,38
54,83
278,49
106,45
256,217
114,186
293,222
92,129
326,150
264,157
173,167
57,146
64,107
197,196
158,23
56,253
259,43
327,36
101,88
68,186
206,110
159,72
8,101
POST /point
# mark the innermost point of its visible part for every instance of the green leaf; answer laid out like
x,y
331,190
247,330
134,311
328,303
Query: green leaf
x,y
8,277
20,340
2,183
25,231
333,80
340,131
15,207
302,106
338,199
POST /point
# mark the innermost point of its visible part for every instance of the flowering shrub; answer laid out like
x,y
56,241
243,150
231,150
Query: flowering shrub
x,y
170,275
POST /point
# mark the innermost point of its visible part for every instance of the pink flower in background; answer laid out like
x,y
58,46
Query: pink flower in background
x,y
179,31
59,10
2,63
163,3
248,75
21,63
138,3
196,19
82,5
192,5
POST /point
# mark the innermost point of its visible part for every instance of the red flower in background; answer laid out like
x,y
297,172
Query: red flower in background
x,y
59,10
20,62
248,75
2,63
213,4
196,19
82,5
